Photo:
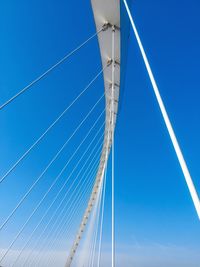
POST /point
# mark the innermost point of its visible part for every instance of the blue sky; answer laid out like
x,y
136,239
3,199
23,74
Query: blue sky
x,y
156,224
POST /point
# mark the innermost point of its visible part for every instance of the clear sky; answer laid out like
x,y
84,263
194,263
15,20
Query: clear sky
x,y
156,223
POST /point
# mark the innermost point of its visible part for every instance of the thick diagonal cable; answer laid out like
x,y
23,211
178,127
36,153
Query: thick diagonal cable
x,y
58,221
49,70
172,135
51,126
39,204
57,195
89,182
48,166
72,173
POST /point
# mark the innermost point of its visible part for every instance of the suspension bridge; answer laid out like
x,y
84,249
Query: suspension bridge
x,y
74,213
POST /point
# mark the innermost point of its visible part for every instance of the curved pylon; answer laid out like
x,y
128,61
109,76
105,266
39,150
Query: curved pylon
x,y
105,13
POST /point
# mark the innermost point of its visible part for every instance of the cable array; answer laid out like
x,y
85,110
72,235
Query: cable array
x,y
72,197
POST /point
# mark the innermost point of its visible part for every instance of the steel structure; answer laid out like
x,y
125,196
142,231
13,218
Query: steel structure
x,y
105,13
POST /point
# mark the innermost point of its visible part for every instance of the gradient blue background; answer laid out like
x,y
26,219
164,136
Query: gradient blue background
x,y
156,223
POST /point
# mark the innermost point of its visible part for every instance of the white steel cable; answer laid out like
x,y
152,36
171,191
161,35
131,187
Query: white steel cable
x,y
73,182
91,234
113,143
30,238
41,249
90,249
102,217
48,166
77,175
55,198
87,248
50,127
58,229
84,258
97,226
66,193
57,219
63,201
34,211
179,154
103,160
49,70
89,182
73,213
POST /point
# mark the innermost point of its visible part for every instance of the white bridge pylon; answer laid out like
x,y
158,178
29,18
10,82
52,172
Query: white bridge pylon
x,y
105,13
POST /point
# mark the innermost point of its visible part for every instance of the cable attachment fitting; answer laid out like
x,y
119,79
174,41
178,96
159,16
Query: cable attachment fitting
x,y
109,62
105,26
115,85
117,62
